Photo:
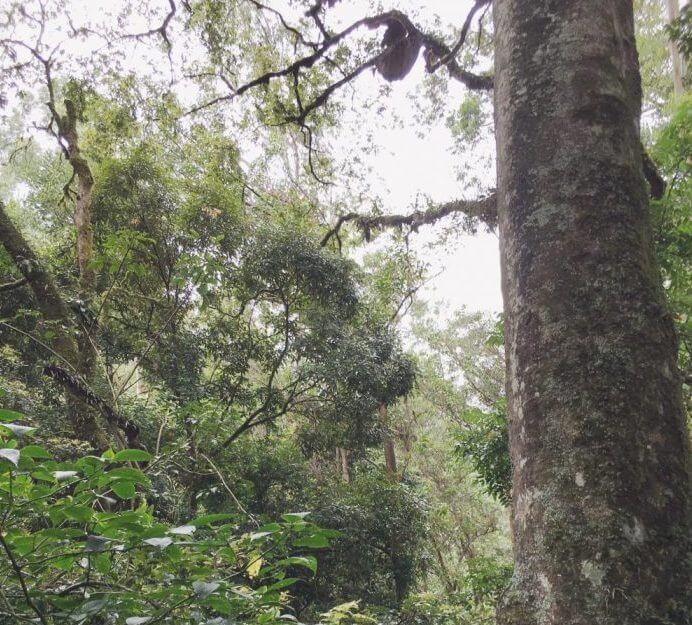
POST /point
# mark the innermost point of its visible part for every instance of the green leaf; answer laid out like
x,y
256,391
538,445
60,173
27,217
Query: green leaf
x,y
123,473
23,544
18,430
81,514
64,563
102,563
283,583
133,455
316,541
10,415
309,562
294,516
124,490
34,451
208,519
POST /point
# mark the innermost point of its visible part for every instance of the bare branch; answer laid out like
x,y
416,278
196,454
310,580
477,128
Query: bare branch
x,y
161,30
484,210
15,284
462,37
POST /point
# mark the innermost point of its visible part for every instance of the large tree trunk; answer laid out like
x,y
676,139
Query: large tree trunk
x,y
600,498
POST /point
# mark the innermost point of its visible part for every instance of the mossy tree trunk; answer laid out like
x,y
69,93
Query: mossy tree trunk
x,y
600,494
57,315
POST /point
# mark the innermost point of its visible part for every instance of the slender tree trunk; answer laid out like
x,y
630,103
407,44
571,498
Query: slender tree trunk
x,y
342,464
67,130
387,442
677,61
600,514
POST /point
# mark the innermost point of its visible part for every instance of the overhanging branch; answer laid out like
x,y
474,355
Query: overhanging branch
x,y
484,210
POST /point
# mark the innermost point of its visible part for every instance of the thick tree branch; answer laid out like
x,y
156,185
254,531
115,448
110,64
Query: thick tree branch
x,y
48,299
15,284
161,30
77,387
483,210
399,29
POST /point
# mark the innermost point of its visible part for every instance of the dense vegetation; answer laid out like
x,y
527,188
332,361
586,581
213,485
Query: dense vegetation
x,y
215,406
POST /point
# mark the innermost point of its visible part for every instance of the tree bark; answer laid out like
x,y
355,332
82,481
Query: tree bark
x,y
67,131
387,442
600,514
342,464
677,61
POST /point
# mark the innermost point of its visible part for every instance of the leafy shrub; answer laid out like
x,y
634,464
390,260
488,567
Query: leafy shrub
x,y
81,545
486,445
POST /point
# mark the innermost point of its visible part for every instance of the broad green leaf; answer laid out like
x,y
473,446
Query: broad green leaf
x,y
283,583
316,541
34,451
23,544
102,563
309,562
133,455
124,490
123,473
81,514
294,516
208,519
64,563
10,415
18,430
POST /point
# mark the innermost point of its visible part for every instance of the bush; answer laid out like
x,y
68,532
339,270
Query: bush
x,y
82,546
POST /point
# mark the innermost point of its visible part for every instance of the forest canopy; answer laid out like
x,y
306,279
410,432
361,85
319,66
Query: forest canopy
x,y
228,391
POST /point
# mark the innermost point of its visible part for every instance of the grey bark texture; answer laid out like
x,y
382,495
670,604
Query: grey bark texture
x,y
601,512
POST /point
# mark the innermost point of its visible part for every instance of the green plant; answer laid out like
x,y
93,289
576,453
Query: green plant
x,y
485,443
80,544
